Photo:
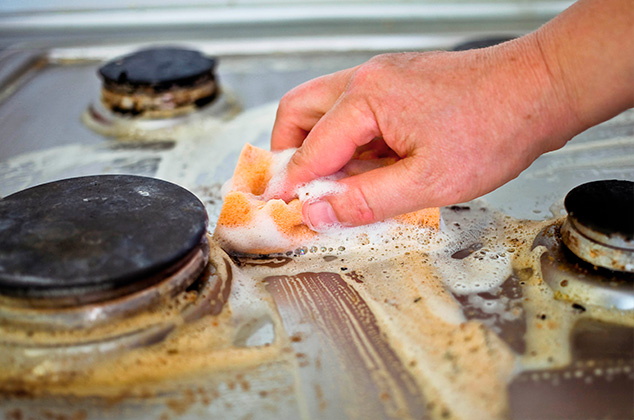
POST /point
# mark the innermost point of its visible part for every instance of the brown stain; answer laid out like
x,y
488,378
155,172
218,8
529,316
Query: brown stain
x,y
302,359
218,296
449,357
245,385
355,276
321,401
181,405
258,260
15,414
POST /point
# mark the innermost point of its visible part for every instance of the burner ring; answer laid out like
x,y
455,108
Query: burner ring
x,y
68,313
577,281
583,245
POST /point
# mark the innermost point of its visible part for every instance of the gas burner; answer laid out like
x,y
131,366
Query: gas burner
x,y
158,82
157,88
600,224
590,255
101,263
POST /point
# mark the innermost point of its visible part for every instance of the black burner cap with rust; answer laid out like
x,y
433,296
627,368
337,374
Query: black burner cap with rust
x,y
158,82
606,207
105,234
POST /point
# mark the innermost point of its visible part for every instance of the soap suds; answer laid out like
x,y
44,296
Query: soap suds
x,y
320,188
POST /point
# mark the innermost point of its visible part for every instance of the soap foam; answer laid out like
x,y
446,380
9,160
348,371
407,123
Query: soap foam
x,y
491,267
262,231
320,188
277,182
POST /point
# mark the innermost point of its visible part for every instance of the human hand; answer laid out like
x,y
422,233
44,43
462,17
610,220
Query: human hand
x,y
458,122
461,123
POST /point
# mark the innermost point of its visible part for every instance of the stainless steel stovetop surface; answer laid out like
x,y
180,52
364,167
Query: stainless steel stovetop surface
x,y
307,363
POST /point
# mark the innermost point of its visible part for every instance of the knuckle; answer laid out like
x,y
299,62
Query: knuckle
x,y
294,96
368,72
364,214
286,103
363,76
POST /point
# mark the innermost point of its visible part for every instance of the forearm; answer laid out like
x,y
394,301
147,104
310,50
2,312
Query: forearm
x,y
589,51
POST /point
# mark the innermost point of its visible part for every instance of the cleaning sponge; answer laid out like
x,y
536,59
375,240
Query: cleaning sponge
x,y
248,223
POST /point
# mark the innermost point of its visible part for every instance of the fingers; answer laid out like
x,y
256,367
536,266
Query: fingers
x,y
369,197
329,146
303,106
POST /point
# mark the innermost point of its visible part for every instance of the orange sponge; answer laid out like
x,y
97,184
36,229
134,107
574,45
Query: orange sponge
x,y
250,224
253,170
272,225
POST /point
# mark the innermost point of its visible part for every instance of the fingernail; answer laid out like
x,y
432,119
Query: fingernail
x,y
319,216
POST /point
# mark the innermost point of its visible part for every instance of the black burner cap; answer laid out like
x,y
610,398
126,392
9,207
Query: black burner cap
x,y
159,68
605,206
95,233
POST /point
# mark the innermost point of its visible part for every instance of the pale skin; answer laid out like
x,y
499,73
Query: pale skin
x,y
461,123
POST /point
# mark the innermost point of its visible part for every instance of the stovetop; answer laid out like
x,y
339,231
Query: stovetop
x,y
317,333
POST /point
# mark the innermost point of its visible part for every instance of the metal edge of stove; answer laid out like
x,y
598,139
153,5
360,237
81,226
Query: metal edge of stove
x,y
281,19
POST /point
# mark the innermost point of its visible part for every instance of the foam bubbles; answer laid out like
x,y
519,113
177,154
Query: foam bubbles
x,y
313,190
262,233
319,188
480,272
277,183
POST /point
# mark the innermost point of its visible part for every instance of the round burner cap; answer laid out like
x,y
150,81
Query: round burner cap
x,y
160,68
95,233
604,207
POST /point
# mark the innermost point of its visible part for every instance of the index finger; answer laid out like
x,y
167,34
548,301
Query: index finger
x,y
302,107
329,145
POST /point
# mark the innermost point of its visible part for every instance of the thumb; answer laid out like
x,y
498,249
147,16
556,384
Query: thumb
x,y
369,197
